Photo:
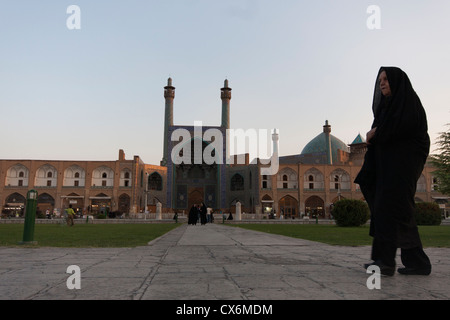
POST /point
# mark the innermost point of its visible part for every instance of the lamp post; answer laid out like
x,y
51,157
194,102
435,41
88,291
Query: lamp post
x,y
30,215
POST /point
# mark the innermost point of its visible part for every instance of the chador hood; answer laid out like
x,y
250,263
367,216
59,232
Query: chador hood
x,y
400,116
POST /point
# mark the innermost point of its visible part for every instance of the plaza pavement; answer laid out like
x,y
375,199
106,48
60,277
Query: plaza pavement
x,y
213,262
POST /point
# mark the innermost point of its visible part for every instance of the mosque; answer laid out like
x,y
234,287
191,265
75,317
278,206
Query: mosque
x,y
306,184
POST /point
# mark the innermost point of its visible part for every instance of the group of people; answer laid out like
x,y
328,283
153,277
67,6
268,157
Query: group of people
x,y
199,212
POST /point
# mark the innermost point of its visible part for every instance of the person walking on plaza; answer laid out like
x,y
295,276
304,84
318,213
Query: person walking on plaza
x,y
70,215
193,215
398,146
208,215
203,213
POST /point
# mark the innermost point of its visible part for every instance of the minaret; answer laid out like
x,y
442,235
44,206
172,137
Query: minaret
x,y
327,131
275,139
226,97
169,95
274,158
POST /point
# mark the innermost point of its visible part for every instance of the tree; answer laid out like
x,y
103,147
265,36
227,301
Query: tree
x,y
441,162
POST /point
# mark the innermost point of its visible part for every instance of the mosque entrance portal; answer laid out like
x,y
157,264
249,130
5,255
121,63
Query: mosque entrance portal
x,y
195,196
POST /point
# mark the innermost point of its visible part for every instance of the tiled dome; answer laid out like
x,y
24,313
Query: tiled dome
x,y
319,144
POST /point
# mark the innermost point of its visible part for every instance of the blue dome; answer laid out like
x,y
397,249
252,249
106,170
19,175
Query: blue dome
x,y
319,144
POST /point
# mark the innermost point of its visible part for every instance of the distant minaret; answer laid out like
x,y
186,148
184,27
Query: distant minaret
x,y
275,139
169,95
226,97
327,131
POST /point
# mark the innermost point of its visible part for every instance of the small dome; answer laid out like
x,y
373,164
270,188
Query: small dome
x,y
359,139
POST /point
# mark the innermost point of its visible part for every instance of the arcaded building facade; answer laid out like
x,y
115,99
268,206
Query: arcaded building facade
x,y
91,187
309,183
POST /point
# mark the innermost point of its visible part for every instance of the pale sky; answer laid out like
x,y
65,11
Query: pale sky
x,y
84,94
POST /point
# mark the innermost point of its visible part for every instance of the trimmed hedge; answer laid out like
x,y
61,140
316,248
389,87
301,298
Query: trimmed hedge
x,y
351,213
428,214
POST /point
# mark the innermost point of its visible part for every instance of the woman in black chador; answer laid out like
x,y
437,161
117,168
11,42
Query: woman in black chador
x,y
193,215
203,213
398,146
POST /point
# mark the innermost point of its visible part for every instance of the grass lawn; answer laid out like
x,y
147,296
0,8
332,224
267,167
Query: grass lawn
x,y
86,235
432,236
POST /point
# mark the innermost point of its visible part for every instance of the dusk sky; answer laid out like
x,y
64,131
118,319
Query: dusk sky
x,y
83,94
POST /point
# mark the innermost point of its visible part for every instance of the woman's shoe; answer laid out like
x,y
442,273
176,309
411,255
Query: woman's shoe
x,y
384,269
415,271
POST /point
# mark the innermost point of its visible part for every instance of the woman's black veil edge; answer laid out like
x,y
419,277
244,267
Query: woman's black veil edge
x,y
366,175
377,96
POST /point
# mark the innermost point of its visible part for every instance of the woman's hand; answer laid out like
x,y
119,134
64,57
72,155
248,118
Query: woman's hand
x,y
370,135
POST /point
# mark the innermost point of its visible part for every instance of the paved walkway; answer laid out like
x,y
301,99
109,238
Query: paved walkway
x,y
213,262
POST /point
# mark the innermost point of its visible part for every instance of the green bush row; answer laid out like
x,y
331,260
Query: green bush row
x,y
355,213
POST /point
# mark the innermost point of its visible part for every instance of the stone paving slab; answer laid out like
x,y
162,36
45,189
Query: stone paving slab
x,y
213,262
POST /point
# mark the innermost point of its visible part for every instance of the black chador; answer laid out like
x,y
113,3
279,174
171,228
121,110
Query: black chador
x,y
393,163
193,215
203,213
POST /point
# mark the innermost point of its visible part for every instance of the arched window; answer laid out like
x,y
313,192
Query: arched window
x,y
74,176
313,179
46,175
104,182
155,182
17,175
125,176
434,184
266,182
311,182
285,184
340,180
287,179
103,176
237,182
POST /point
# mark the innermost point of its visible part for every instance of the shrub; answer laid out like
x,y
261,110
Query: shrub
x,y
40,214
428,214
351,213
